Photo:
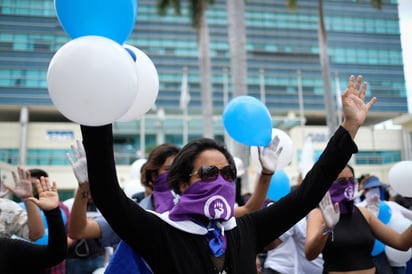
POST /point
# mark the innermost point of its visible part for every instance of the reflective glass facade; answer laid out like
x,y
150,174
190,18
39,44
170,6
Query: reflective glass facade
x,y
361,40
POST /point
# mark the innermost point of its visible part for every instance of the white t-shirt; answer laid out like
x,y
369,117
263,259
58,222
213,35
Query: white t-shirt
x,y
283,257
304,265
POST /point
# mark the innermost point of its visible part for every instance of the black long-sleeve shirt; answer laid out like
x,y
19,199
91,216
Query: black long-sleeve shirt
x,y
170,250
19,256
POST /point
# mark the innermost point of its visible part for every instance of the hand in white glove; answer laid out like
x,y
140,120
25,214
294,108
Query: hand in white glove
x,y
80,163
329,211
23,187
269,156
373,204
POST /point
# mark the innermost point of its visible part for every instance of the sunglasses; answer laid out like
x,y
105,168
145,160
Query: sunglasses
x,y
210,173
343,180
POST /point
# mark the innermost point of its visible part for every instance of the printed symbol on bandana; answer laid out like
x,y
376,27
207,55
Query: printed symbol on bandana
x,y
216,207
176,197
349,193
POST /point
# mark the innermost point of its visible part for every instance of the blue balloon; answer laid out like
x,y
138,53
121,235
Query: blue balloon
x,y
113,19
317,155
279,185
378,248
385,212
248,121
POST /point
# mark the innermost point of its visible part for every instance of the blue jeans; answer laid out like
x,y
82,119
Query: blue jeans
x,y
84,266
398,269
381,263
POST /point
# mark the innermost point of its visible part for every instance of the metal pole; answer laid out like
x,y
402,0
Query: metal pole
x,y
338,98
262,86
24,120
184,102
185,126
301,105
225,87
142,137
228,140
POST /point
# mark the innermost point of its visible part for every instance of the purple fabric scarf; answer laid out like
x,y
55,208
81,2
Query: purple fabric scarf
x,y
207,204
163,197
342,192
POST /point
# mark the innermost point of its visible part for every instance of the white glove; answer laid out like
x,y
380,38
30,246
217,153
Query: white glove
x,y
329,211
269,156
373,204
80,166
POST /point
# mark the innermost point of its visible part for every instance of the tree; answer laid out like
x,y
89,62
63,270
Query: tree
x,y
197,9
331,119
238,61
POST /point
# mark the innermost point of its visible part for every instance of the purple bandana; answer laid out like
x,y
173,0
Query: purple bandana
x,y
207,203
342,192
163,196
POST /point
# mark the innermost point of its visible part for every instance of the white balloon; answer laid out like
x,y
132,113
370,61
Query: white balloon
x,y
306,157
148,86
400,178
92,80
69,203
133,187
287,150
135,169
395,256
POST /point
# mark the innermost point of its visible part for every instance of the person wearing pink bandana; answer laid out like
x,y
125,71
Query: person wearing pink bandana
x,y
201,234
345,233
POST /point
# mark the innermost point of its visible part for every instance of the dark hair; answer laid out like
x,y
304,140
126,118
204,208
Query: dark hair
x,y
182,166
351,169
155,160
363,178
37,173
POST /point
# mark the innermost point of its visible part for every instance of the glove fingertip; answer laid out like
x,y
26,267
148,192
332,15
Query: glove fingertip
x,y
280,150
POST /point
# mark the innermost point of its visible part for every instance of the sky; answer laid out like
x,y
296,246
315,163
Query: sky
x,y
405,18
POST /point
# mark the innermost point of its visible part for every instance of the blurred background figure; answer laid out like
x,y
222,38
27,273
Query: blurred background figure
x,y
134,188
18,256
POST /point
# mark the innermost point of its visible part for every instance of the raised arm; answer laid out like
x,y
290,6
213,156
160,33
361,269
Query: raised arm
x,y
81,227
401,241
354,107
56,249
321,222
23,189
336,155
268,157
125,216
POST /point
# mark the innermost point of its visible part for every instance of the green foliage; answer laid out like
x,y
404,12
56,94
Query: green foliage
x,y
377,4
293,4
164,5
197,8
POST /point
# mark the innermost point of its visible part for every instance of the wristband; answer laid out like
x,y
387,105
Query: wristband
x,y
327,231
267,173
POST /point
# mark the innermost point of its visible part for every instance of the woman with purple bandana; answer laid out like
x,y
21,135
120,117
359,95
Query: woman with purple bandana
x,y
345,233
154,178
200,234
161,199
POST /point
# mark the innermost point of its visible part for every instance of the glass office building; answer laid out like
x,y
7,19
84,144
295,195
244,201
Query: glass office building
x,y
361,40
